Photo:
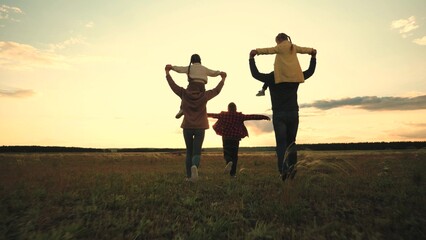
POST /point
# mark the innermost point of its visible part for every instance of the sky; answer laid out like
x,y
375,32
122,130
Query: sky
x,y
91,73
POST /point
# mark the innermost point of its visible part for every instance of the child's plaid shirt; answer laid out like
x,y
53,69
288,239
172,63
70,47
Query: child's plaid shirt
x,y
231,124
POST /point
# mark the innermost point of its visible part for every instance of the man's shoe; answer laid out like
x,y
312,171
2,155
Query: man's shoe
x,y
228,167
292,172
290,149
284,176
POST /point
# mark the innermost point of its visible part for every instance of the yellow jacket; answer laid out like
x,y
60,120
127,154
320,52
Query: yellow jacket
x,y
286,65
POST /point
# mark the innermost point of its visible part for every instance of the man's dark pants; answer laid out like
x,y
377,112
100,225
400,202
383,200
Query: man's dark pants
x,y
285,124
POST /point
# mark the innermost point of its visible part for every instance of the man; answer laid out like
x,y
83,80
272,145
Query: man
x,y
285,114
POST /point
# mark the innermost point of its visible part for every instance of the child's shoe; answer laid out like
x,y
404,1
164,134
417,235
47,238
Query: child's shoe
x,y
179,114
261,93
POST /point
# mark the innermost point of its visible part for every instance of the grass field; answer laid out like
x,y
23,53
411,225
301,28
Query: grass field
x,y
335,195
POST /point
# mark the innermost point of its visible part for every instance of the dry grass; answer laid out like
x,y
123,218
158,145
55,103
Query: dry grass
x,y
335,195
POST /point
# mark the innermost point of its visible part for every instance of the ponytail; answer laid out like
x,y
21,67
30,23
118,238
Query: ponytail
x,y
189,67
282,37
289,38
195,58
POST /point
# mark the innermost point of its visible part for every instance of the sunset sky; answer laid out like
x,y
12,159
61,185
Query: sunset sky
x,y
91,73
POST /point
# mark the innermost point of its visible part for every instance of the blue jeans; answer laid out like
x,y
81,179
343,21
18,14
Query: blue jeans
x,y
285,128
194,141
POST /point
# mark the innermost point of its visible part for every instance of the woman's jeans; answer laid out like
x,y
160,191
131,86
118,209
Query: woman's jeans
x,y
194,141
285,124
230,153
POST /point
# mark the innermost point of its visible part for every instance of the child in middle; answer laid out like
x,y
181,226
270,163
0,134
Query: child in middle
x,y
231,127
197,73
286,65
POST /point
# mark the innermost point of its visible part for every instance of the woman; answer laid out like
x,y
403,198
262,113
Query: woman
x,y
196,73
194,101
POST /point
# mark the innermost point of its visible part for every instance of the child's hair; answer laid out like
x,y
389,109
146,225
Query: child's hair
x,y
195,58
283,37
232,107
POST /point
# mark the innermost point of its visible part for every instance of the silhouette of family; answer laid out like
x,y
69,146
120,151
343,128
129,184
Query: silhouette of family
x,y
283,84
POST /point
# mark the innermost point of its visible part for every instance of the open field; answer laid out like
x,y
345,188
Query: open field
x,y
335,195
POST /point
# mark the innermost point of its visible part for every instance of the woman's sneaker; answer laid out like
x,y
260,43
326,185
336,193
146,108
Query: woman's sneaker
x,y
194,173
289,150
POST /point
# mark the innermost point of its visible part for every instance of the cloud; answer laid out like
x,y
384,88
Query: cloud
x,y
405,25
67,43
16,93
89,24
372,103
259,127
411,134
17,56
412,131
420,41
7,13
422,125
22,57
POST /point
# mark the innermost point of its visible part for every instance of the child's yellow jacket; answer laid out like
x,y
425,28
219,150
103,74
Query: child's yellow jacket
x,y
286,66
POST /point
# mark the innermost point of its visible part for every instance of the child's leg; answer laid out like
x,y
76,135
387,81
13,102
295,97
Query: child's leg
x,y
180,113
262,92
227,151
236,145
230,154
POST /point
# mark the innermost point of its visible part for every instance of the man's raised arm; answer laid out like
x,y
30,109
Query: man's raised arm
x,y
312,65
253,68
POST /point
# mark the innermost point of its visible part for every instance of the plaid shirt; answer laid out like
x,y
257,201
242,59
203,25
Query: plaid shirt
x,y
231,124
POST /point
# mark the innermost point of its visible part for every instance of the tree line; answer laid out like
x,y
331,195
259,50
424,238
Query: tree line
x,y
314,147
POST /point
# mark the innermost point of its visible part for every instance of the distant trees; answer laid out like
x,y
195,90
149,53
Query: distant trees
x,y
315,147
364,146
48,149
